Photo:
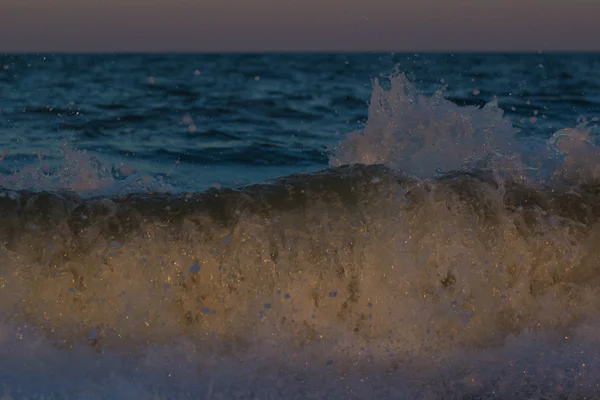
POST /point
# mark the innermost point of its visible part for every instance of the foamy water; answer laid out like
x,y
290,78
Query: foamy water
x,y
438,257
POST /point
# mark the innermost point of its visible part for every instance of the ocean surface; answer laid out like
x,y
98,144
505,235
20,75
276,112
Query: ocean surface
x,y
300,226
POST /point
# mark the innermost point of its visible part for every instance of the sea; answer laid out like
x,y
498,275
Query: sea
x,y
300,226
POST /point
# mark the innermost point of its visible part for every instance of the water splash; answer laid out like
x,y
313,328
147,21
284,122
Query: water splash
x,y
429,135
80,172
579,156
387,284
424,135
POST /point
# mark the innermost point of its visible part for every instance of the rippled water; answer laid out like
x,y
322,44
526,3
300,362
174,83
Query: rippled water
x,y
199,118
300,226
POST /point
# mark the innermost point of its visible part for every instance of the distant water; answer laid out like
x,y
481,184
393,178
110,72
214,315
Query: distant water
x,y
327,226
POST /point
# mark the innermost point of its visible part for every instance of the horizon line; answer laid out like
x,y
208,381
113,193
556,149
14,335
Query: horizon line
x,y
283,51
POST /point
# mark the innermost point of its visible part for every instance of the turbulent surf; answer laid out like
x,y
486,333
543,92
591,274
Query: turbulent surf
x,y
439,256
361,268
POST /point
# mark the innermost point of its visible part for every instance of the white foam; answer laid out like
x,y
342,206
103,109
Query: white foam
x,y
80,172
426,135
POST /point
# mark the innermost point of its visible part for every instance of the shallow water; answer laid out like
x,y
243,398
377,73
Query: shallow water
x,y
282,226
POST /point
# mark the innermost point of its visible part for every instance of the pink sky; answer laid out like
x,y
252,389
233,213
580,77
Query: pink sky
x,y
260,25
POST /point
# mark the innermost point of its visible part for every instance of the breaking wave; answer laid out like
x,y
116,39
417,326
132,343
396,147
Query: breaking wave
x,y
438,257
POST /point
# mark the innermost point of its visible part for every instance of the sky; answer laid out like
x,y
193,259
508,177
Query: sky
x,y
298,25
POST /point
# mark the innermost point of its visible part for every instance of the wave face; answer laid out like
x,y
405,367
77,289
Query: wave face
x,y
357,269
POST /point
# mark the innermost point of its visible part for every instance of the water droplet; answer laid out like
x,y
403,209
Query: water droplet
x,y
92,334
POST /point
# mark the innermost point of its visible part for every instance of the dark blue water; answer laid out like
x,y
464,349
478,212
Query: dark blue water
x,y
295,226
238,119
